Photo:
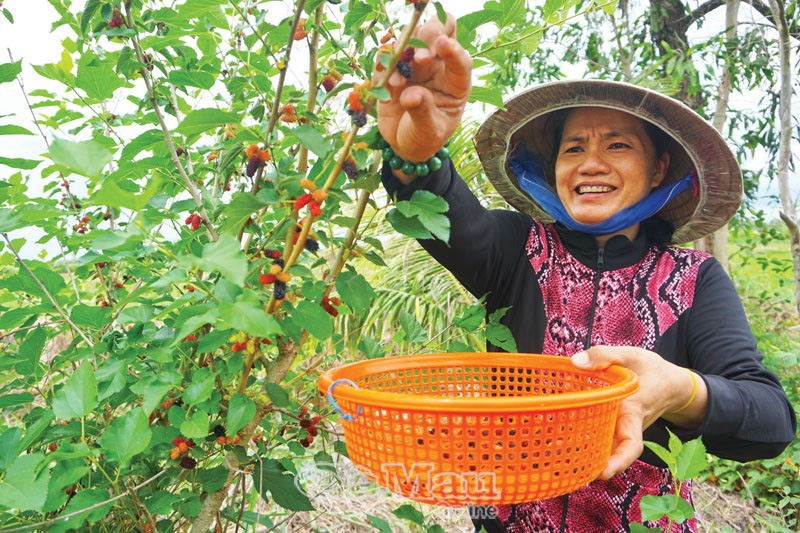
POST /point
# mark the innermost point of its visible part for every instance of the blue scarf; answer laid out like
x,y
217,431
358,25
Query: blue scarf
x,y
531,178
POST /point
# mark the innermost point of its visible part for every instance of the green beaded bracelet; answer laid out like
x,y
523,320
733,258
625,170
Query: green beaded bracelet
x,y
420,169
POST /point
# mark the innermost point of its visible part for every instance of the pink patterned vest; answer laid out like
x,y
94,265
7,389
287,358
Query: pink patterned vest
x,y
634,307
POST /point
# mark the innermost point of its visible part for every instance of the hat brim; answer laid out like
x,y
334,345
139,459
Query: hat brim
x,y
696,145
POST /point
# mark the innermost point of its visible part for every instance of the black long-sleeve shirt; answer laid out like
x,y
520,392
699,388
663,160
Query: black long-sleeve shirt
x,y
749,415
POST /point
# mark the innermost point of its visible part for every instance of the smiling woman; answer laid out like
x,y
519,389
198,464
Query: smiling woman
x,y
607,177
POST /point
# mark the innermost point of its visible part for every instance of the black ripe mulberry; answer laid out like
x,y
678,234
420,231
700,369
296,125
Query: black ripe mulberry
x,y
188,463
280,290
219,431
311,245
252,166
359,117
278,261
350,169
405,69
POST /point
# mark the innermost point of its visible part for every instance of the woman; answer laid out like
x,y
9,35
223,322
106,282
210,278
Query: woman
x,y
602,283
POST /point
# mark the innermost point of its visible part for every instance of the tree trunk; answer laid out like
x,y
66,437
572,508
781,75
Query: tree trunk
x,y
788,213
717,243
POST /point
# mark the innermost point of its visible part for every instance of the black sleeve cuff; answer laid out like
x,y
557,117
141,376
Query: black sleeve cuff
x,y
437,182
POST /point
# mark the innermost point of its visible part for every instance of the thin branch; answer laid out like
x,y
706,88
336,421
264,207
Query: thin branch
x,y
91,507
167,137
46,292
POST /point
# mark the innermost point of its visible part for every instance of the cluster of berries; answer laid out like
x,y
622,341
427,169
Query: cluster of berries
x,y
82,226
288,113
165,405
312,243
277,278
230,131
148,61
331,79
182,446
300,33
240,341
116,19
310,425
329,303
311,199
221,439
255,159
65,196
356,99
193,221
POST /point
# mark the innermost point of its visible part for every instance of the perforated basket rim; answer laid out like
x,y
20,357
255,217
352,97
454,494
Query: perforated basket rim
x,y
625,383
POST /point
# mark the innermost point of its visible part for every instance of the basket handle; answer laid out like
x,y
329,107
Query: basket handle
x,y
336,405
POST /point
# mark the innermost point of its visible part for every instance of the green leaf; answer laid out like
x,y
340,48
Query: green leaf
x,y
14,399
270,475
224,256
196,426
192,78
411,330
249,317
691,460
151,392
355,291
98,82
489,96
410,226
87,14
13,129
241,410
417,43
238,211
30,351
314,318
381,93
83,499
428,209
499,334
22,488
370,348
78,396
655,507
87,158
663,454
639,528
379,523
201,387
472,318
312,139
440,12
203,120
18,162
277,394
141,142
408,512
128,435
92,316
9,71
112,194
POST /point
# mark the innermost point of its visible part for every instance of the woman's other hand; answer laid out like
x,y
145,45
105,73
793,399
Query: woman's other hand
x,y
663,389
425,110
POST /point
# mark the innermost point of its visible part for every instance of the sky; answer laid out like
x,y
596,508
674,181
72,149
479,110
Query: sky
x,y
31,40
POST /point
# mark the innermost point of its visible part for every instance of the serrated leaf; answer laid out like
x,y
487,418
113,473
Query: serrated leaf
x,y
499,334
94,317
440,12
196,426
655,507
203,120
489,96
691,460
141,142
22,487
408,512
83,499
13,129
238,211
192,78
663,454
201,387
277,394
87,14
312,139
472,318
30,351
127,436
381,93
249,317
379,523
87,158
370,348
314,319
20,163
9,71
226,257
270,475
241,410
355,291
78,396
417,43
98,82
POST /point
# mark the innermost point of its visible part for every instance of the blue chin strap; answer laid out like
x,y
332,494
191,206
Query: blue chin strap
x,y
531,178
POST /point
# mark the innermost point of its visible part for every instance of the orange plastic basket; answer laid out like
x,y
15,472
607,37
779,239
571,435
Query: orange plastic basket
x,y
478,428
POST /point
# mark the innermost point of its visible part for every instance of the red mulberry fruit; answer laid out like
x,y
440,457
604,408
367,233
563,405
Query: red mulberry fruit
x,y
188,463
408,55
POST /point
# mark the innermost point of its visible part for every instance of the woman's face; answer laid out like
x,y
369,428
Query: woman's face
x,y
606,162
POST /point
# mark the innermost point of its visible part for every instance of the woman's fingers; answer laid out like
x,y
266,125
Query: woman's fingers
x,y
628,438
418,103
428,33
457,64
